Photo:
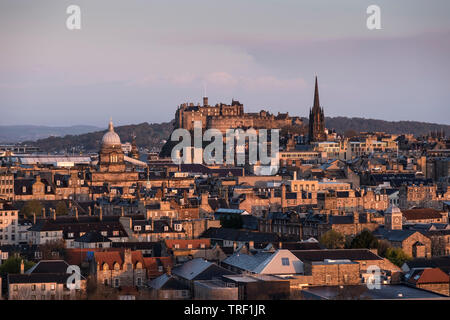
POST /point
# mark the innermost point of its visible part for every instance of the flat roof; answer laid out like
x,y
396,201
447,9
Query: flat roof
x,y
386,292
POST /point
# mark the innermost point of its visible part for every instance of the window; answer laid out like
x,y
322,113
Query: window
x,y
33,287
43,287
52,287
15,287
116,282
285,261
139,281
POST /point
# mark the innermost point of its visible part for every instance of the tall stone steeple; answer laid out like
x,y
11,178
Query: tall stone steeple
x,y
316,119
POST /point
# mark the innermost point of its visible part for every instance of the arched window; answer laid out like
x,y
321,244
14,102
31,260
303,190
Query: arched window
x,y
138,265
105,266
116,266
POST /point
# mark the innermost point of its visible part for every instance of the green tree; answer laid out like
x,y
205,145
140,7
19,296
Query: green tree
x,y
61,209
12,265
397,256
364,240
383,245
30,207
332,240
233,221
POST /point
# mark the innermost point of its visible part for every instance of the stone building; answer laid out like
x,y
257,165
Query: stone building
x,y
223,117
6,185
120,268
431,279
9,226
414,243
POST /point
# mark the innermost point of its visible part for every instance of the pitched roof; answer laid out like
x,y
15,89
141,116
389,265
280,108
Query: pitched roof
x,y
92,237
49,266
239,235
199,269
421,214
167,282
429,275
184,243
38,278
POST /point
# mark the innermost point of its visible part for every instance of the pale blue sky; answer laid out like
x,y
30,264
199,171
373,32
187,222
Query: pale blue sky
x,y
137,60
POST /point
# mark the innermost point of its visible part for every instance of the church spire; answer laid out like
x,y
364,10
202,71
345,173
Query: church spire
x,y
316,96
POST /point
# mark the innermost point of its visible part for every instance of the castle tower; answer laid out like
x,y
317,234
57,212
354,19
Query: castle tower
x,y
393,218
316,119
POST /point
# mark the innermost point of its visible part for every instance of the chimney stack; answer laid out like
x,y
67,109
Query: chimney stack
x,y
43,212
355,217
90,211
22,267
283,196
54,215
101,214
34,218
295,175
76,213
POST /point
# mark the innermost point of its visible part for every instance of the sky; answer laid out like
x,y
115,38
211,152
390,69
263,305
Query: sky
x,y
137,60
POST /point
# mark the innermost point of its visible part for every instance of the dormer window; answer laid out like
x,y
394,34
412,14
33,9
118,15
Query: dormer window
x,y
24,189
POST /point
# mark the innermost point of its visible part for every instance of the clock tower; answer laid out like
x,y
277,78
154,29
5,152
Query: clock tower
x,y
393,218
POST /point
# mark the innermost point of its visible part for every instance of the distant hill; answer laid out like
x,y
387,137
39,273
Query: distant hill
x,y
15,134
149,136
342,124
152,136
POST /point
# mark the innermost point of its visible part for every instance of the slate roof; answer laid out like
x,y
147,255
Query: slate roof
x,y
393,235
336,254
167,282
92,237
247,262
49,266
434,262
38,278
199,269
239,235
